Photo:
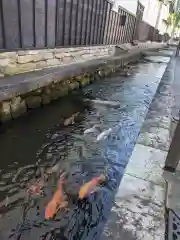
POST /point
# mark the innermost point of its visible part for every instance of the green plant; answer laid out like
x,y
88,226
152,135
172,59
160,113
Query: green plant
x,y
173,21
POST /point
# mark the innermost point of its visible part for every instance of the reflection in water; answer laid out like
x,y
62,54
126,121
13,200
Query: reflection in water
x,y
82,138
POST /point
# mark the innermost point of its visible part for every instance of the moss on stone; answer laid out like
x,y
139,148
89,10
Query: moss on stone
x,y
5,111
33,101
84,81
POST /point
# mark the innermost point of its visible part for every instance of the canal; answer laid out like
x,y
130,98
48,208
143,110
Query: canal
x,y
51,138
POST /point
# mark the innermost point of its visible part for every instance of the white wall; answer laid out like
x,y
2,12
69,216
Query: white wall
x,y
130,5
150,10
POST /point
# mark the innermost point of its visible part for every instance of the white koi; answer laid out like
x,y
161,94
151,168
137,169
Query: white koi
x,y
104,134
91,130
103,102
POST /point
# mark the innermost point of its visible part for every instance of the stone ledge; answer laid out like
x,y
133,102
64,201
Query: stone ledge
x,y
30,60
33,60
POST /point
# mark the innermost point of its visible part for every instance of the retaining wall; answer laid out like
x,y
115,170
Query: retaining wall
x,y
30,60
22,92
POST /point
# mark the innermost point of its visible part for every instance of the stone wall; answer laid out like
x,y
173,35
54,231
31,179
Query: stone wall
x,y
19,104
29,60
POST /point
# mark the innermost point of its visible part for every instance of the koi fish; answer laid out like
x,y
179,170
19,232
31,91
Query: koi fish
x,y
90,186
104,134
95,128
57,201
113,104
70,120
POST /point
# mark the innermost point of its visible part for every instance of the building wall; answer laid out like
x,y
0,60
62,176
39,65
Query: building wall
x,y
130,5
150,11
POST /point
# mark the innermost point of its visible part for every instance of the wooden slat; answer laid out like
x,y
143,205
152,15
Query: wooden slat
x,y
79,22
93,22
27,23
11,23
39,23
112,27
51,22
115,28
84,22
118,30
74,21
96,21
121,28
104,17
67,22
89,17
2,40
109,28
98,41
60,23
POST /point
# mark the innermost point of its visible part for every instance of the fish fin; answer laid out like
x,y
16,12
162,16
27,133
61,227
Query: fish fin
x,y
62,205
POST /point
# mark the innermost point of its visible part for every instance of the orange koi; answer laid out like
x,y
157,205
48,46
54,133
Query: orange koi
x,y
58,200
90,186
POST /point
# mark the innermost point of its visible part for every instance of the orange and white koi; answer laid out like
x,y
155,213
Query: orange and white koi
x,y
58,200
90,186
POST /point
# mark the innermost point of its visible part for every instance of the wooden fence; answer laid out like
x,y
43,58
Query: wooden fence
x,y
55,23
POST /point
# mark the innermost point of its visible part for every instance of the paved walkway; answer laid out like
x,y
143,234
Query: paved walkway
x,y
139,207
173,180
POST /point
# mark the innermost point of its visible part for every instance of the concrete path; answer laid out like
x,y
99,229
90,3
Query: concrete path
x,y
139,207
173,180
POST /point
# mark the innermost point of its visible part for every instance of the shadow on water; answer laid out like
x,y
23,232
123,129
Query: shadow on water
x,y
35,143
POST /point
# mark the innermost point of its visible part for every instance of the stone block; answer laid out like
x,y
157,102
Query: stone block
x,y
66,60
73,85
88,56
59,50
5,111
12,69
9,55
55,94
84,81
41,64
62,55
26,58
18,107
33,101
1,75
58,91
53,62
4,62
27,52
45,99
35,57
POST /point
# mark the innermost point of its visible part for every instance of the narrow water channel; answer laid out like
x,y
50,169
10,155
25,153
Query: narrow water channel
x,y
33,144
